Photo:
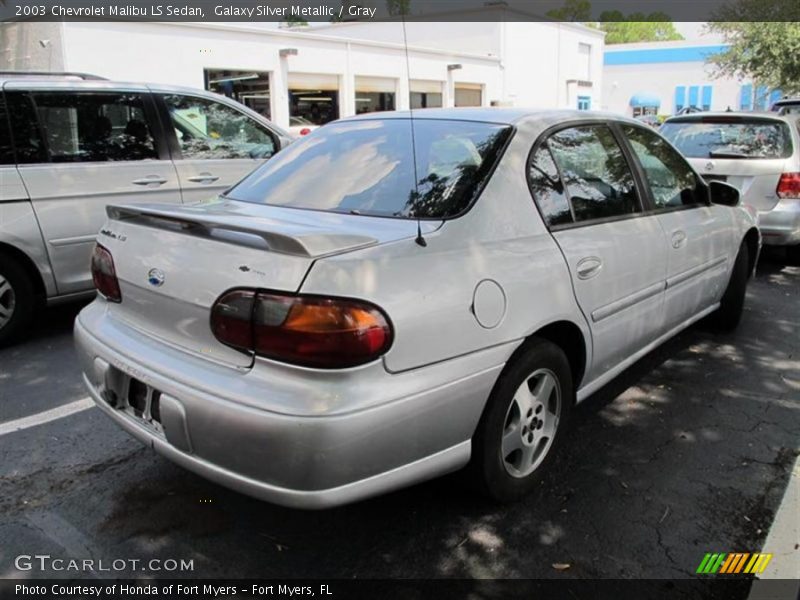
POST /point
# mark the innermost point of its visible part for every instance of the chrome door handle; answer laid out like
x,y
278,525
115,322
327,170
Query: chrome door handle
x,y
149,180
204,178
678,239
588,267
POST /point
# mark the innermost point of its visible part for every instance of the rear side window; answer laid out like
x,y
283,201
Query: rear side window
x,y
367,167
547,189
95,127
596,175
6,149
728,137
672,181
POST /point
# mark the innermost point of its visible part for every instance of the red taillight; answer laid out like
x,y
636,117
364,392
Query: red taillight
x,y
312,331
104,275
305,131
789,185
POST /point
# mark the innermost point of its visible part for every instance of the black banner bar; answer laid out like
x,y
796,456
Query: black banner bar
x,y
710,588
411,10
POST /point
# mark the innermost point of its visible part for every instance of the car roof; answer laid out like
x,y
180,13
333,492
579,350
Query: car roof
x,y
733,115
504,116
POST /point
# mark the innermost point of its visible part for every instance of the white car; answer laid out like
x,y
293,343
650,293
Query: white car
x,y
70,144
300,126
378,305
759,154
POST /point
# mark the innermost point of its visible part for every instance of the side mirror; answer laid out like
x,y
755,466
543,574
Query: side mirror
x,y
723,193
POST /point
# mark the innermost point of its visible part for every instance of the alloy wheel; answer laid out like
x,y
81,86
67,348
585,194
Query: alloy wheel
x,y
531,423
8,301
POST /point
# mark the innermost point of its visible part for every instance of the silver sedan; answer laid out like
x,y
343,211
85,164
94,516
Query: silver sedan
x,y
397,296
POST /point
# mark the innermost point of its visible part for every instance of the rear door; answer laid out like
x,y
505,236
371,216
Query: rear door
x,y
698,233
214,144
80,149
586,192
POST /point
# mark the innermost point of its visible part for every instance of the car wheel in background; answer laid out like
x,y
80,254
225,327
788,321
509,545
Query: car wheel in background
x,y
523,422
729,313
16,299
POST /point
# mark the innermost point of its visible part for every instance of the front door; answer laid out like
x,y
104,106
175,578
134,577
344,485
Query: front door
x,y
79,151
697,233
615,253
214,144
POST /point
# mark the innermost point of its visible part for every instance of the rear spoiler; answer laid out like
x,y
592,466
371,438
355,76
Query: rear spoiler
x,y
274,235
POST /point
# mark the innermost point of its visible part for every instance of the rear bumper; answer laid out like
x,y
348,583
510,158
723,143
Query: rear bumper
x,y
781,225
393,430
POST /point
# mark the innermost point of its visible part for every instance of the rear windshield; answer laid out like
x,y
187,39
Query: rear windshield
x,y
729,139
367,167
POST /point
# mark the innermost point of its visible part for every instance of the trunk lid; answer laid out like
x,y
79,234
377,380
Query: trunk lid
x,y
173,262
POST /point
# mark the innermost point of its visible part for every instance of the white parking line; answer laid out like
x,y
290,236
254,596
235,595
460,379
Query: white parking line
x,y
41,418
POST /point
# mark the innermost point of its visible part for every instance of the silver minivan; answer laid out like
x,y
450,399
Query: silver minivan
x,y
71,144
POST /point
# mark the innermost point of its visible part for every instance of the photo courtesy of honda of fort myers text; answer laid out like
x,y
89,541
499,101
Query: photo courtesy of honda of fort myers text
x,y
399,298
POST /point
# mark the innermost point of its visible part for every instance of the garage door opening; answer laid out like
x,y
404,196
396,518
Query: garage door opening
x,y
313,98
468,94
251,88
426,94
374,94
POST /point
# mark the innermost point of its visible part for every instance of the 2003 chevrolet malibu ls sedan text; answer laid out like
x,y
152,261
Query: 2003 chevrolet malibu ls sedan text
x,y
398,296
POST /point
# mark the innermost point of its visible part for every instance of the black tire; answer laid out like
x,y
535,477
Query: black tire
x,y
793,254
490,471
729,313
16,300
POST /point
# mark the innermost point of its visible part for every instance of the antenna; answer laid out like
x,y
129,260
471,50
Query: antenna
x,y
420,239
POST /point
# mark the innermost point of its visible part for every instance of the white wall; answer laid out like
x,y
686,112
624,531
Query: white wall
x,y
177,53
620,82
538,58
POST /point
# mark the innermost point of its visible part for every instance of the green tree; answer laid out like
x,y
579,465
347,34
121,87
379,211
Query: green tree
x,y
637,27
292,21
573,10
398,7
620,28
767,52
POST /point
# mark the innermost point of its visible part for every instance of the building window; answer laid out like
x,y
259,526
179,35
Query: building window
x,y
694,96
746,97
248,87
314,97
706,98
680,98
584,102
585,62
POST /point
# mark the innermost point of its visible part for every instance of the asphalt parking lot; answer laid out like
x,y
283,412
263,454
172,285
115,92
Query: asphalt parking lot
x,y
687,452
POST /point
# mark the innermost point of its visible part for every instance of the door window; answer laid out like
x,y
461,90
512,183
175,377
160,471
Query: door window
x,y
672,181
94,127
547,188
210,130
598,180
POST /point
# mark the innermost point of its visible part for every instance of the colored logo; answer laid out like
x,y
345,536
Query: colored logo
x,y
733,563
155,277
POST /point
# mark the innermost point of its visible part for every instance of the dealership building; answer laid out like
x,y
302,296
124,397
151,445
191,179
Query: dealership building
x,y
324,72
665,77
